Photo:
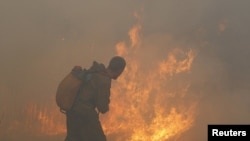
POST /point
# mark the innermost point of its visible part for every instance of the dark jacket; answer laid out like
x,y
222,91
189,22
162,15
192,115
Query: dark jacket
x,y
95,93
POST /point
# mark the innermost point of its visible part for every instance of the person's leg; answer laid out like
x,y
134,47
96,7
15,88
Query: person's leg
x,y
73,124
97,131
91,129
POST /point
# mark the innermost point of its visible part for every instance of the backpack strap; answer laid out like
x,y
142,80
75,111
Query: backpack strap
x,y
84,75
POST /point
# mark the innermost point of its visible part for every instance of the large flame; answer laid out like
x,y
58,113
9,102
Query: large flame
x,y
146,104
143,106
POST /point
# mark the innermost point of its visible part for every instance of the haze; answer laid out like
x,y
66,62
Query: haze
x,y
40,41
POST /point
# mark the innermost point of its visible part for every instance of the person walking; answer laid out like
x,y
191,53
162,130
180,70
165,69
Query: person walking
x,y
82,120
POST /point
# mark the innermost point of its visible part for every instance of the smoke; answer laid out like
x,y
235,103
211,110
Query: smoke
x,y
41,40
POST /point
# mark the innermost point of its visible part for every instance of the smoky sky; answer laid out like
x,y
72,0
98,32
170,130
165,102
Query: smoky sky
x,y
41,40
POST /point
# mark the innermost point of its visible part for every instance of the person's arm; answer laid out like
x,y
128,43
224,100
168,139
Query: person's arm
x,y
102,98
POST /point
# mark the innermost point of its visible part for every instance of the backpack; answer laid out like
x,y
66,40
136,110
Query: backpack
x,y
70,87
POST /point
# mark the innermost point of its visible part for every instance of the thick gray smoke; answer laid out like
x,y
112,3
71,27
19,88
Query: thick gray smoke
x,y
41,40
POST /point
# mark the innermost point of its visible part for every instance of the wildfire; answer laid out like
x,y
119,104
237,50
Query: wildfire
x,y
146,105
40,120
143,106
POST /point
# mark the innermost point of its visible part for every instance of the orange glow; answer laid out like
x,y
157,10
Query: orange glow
x,y
50,121
172,65
134,33
222,26
121,49
40,120
146,105
143,108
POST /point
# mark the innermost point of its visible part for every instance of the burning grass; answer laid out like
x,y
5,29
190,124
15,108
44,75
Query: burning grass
x,y
146,104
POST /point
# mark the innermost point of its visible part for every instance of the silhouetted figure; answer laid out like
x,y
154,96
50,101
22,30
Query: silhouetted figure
x,y
82,120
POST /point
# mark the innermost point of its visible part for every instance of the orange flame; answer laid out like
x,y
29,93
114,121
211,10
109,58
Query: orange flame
x,y
34,121
146,105
51,121
134,32
172,66
142,106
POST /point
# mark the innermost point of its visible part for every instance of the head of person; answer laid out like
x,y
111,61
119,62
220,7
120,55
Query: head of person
x,y
116,67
